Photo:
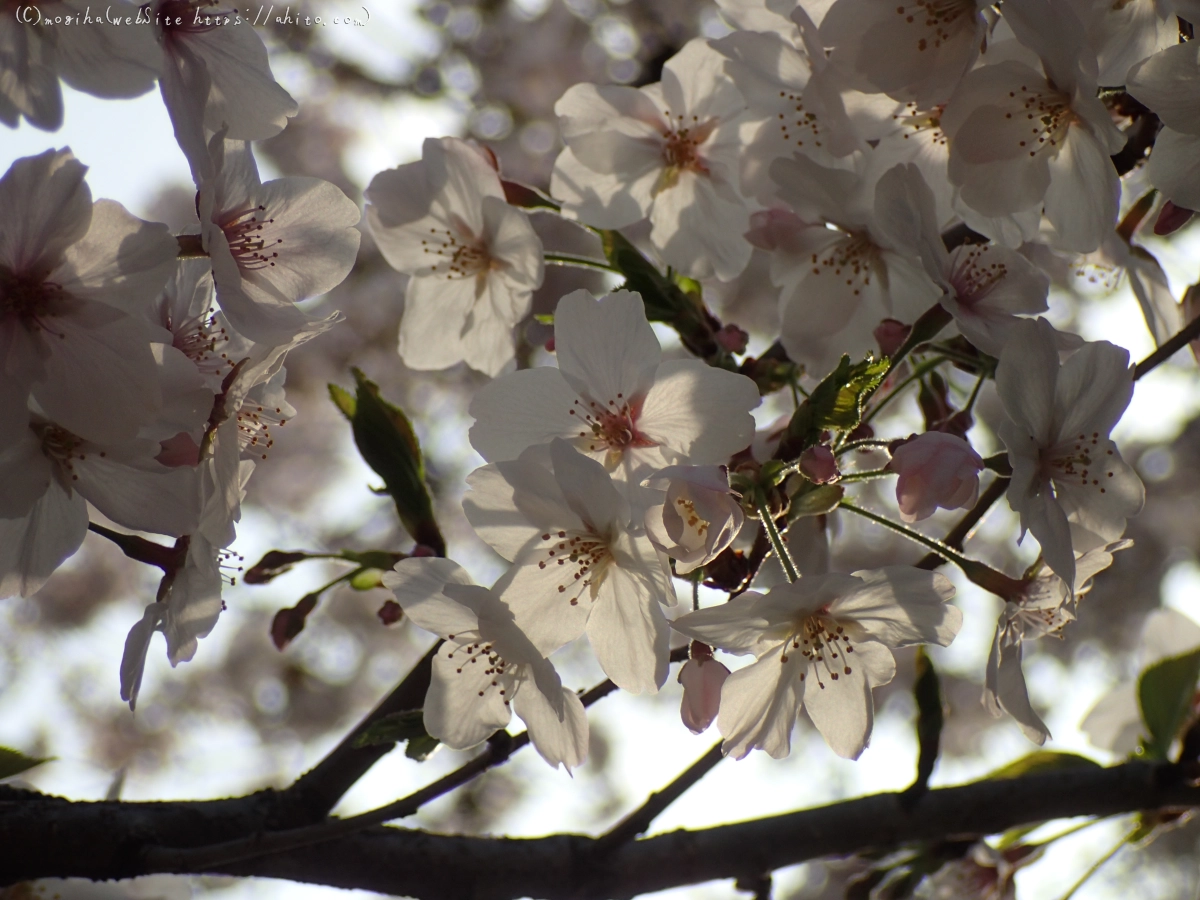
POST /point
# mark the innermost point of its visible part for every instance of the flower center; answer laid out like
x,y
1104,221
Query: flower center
x,y
928,122
29,299
797,124
823,644
250,246
584,557
62,448
485,653
1048,114
935,19
972,276
459,253
692,520
609,426
254,423
198,339
854,258
1081,462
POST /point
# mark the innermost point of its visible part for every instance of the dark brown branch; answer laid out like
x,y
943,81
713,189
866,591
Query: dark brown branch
x,y
48,836
638,821
1172,346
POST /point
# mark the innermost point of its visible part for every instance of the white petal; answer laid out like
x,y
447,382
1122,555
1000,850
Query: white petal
x,y
901,605
133,661
739,626
606,348
1093,389
1083,194
1167,83
46,207
843,709
435,314
1115,722
137,492
527,407
419,585
697,225
33,546
759,706
629,633
1174,167
699,412
1026,378
560,741
463,707
194,603
1005,689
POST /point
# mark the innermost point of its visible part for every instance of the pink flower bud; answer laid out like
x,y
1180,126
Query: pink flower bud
x,y
891,334
1171,218
732,338
818,465
935,469
702,679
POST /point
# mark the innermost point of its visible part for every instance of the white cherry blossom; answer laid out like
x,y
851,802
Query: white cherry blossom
x,y
698,518
473,260
1022,139
667,151
614,398
1069,484
822,643
1044,608
69,271
914,51
272,244
487,667
577,565
846,256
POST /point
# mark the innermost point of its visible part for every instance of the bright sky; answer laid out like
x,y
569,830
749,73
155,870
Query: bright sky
x,y
131,154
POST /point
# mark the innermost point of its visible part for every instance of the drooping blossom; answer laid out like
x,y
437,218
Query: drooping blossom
x,y
87,53
822,643
935,470
702,678
578,564
1069,484
667,151
1023,139
487,668
473,260
614,398
70,269
698,518
1045,607
272,244
215,78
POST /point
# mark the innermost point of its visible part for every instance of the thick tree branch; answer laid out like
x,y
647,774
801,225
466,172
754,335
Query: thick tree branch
x,y
48,836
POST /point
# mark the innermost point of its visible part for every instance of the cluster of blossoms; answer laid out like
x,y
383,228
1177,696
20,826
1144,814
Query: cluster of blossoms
x,y
894,164
142,372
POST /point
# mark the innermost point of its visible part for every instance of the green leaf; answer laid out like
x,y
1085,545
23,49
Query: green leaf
x,y
821,500
1043,761
13,762
1165,693
393,728
343,400
421,748
388,444
836,404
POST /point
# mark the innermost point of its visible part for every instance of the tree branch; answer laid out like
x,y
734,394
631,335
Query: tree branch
x,y
48,836
1170,347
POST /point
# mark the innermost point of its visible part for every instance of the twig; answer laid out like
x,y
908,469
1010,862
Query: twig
x,y
639,820
1170,347
957,536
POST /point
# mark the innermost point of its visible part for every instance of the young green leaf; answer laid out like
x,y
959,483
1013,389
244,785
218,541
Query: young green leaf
x,y
13,762
1165,692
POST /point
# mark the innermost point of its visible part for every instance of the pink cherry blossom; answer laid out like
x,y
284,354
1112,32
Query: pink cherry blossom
x,y
702,678
936,470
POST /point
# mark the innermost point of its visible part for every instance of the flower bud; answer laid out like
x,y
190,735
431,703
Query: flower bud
x,y
818,465
935,469
702,678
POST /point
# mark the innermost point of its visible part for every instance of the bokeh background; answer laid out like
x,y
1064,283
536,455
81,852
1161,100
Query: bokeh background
x,y
244,715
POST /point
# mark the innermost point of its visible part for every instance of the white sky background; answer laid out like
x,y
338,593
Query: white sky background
x,y
130,150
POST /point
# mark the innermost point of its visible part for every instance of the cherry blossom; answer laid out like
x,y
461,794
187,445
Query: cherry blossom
x,y
215,78
1166,82
668,151
821,643
577,565
487,667
97,59
936,470
845,256
698,518
70,270
1021,139
1045,607
702,678
614,398
473,260
1069,484
272,244
911,50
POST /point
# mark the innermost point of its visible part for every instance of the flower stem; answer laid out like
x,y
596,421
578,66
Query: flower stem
x,y
582,262
917,373
781,550
867,475
979,573
863,444
983,376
